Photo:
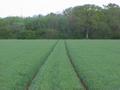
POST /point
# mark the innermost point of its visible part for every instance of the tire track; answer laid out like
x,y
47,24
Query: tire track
x,y
45,59
74,67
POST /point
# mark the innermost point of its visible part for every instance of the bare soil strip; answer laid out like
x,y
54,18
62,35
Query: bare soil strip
x,y
74,67
45,59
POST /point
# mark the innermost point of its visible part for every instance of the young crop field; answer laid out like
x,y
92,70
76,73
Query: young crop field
x,y
59,65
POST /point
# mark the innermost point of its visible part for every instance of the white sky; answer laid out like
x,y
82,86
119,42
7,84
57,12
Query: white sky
x,y
35,7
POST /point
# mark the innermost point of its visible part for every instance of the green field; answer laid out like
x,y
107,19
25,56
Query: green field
x,y
59,64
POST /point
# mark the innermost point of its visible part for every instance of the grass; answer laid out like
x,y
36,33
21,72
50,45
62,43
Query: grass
x,y
57,73
98,62
46,65
19,60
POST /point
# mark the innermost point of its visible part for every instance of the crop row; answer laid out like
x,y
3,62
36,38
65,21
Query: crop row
x,y
19,61
57,73
52,65
98,62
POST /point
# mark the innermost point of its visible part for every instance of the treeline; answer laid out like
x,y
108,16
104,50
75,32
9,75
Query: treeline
x,y
87,21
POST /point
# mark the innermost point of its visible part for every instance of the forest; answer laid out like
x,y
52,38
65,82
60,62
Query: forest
x,y
79,22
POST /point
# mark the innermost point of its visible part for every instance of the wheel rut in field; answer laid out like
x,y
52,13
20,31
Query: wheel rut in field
x,y
74,67
45,59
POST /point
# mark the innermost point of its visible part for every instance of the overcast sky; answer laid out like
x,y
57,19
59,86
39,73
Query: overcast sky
x,y
34,7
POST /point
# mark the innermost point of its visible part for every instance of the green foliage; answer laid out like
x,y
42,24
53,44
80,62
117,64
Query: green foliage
x,y
87,21
26,34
